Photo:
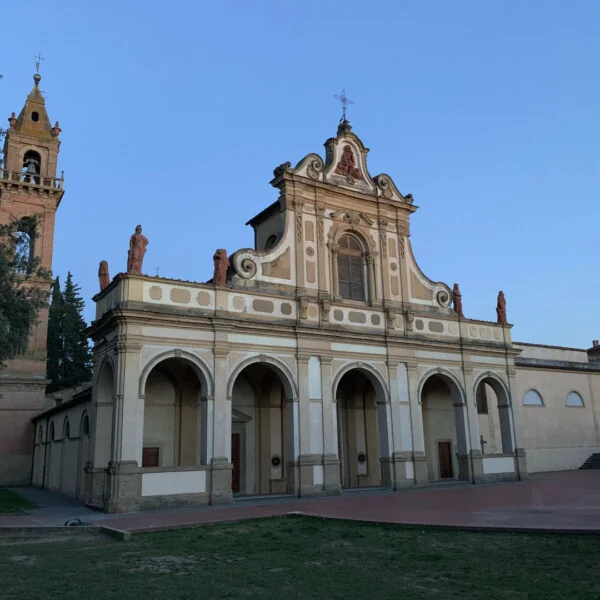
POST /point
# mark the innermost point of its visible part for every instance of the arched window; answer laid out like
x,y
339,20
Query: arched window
x,y
32,164
51,435
66,429
574,399
25,244
532,398
40,437
271,240
351,273
85,426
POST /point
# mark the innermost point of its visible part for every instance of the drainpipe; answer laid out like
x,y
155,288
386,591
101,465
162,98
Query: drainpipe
x,y
45,456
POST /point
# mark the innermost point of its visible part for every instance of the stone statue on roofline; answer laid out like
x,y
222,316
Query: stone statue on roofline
x,y
137,249
103,276
221,265
501,309
457,300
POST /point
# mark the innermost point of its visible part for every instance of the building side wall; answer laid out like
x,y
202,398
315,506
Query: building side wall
x,y
556,436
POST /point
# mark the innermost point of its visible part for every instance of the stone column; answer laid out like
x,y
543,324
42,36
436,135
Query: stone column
x,y
473,438
220,460
306,460
400,426
371,277
416,419
331,462
335,282
123,481
205,430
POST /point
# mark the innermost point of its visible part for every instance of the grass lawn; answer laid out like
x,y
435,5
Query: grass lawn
x,y
294,557
12,503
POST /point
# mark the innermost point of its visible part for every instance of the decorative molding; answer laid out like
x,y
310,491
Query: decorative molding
x,y
303,307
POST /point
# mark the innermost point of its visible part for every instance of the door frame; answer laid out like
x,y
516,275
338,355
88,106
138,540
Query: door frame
x,y
240,429
453,465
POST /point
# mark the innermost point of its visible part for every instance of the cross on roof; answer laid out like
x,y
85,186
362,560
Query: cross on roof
x,y
344,101
38,58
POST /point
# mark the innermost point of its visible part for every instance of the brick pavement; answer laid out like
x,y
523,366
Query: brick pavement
x,y
568,500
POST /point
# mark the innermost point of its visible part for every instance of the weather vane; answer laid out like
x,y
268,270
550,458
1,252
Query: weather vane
x,y
38,58
344,101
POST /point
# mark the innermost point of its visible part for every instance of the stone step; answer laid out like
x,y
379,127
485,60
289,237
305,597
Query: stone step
x,y
593,462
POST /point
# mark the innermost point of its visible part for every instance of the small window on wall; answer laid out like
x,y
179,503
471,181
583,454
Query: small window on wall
x,y
532,398
574,399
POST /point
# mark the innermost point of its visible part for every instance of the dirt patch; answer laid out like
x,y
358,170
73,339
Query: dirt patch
x,y
165,564
21,559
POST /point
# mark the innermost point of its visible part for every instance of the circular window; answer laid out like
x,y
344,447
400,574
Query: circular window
x,y
35,116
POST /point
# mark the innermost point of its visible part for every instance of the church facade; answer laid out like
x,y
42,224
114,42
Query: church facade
x,y
320,360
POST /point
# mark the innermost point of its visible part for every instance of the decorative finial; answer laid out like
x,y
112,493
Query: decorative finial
x,y
56,129
344,101
38,59
12,120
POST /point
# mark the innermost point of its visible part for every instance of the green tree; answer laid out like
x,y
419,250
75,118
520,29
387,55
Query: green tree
x,y
69,354
23,291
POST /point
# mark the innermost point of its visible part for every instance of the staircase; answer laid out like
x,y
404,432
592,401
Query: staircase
x,y
593,462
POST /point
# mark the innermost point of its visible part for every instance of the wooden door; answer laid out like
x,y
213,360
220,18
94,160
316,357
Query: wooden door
x,y
150,457
235,459
445,457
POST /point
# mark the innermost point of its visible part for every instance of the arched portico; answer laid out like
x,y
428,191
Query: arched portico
x,y
494,414
174,387
264,418
363,418
445,425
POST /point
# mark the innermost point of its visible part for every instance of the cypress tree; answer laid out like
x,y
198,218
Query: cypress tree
x,y
69,354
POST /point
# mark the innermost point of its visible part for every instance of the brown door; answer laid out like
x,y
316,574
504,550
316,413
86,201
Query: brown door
x,y
445,456
235,459
150,457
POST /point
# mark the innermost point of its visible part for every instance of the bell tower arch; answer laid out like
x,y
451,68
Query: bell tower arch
x,y
30,192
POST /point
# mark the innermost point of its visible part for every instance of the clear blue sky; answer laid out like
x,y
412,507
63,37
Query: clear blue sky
x,y
175,114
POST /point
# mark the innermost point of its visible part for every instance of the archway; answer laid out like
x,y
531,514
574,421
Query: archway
x,y
444,428
173,422
493,414
51,469
262,430
38,457
83,455
362,429
103,423
65,472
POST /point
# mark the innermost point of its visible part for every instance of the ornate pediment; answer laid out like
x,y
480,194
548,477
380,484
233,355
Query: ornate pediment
x,y
345,166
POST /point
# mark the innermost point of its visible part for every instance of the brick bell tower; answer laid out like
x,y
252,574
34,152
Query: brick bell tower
x,y
29,186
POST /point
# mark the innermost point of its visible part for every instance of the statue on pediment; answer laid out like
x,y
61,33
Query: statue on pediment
x,y
457,300
501,309
137,249
103,276
221,266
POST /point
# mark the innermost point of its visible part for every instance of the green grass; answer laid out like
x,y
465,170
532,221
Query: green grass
x,y
13,503
299,558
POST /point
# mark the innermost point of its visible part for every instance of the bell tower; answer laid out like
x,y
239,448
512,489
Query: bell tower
x,y
29,187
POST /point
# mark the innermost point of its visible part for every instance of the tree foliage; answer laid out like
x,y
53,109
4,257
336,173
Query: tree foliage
x,y
23,286
69,354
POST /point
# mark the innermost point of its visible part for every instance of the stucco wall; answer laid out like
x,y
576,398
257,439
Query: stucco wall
x,y
557,436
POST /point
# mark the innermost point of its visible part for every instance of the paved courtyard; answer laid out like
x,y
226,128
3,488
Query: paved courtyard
x,y
568,500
